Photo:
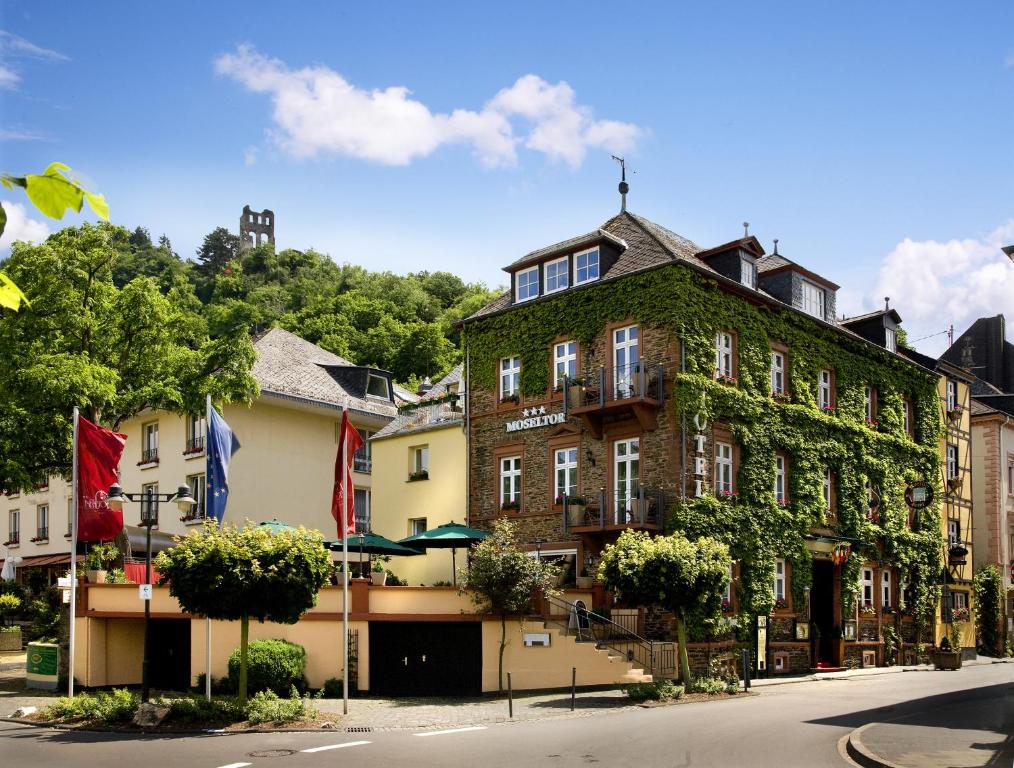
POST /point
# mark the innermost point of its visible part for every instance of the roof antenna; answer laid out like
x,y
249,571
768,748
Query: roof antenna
x,y
887,303
746,229
776,247
624,187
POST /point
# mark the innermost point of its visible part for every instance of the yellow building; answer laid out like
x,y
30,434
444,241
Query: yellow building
x,y
284,469
420,478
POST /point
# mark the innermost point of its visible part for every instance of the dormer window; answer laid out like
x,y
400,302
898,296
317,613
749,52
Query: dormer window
x,y
586,266
813,300
748,273
376,386
557,274
527,284
891,339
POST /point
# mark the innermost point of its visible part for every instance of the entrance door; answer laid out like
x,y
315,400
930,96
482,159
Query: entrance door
x,y
627,460
822,612
425,658
170,654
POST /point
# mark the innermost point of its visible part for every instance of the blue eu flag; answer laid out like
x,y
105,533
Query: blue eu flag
x,y
222,444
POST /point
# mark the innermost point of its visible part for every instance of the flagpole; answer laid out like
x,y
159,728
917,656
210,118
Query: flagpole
x,y
73,563
207,619
345,566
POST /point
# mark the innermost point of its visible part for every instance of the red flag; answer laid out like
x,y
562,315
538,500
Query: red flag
x,y
98,455
344,497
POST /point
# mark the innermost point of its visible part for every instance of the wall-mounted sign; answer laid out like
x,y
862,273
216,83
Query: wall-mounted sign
x,y
919,495
144,591
535,417
536,639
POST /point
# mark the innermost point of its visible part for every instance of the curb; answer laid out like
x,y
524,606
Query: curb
x,y
862,754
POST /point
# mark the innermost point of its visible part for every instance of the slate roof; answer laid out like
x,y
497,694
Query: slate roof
x,y
565,246
772,261
439,389
432,416
871,315
979,408
290,366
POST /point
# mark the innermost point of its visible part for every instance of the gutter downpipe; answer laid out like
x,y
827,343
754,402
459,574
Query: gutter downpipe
x,y
683,422
468,428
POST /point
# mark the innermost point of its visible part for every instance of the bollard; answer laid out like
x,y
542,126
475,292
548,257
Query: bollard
x,y
746,670
510,696
573,687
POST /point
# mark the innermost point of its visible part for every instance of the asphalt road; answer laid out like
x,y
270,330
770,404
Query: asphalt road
x,y
790,725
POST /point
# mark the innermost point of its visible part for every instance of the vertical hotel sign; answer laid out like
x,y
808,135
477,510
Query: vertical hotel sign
x,y
535,417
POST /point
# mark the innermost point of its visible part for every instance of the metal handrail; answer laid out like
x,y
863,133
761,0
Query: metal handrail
x,y
589,626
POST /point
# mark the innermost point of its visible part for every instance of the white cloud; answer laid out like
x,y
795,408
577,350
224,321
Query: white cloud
x,y
250,156
317,111
17,46
21,227
934,284
1009,60
8,77
17,134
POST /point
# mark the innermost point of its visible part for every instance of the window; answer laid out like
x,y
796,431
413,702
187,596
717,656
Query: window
x,y
586,266
959,600
626,355
723,354
626,476
419,455
723,469
824,379
867,587
42,521
510,372
952,461
527,284
828,492
197,428
953,532
891,339
70,516
376,386
885,589
780,495
565,463
748,271
1010,476
564,361
906,417
727,595
14,527
779,580
813,300
197,489
150,512
361,509
777,373
149,442
557,274
510,482
416,526
870,403
952,394
362,460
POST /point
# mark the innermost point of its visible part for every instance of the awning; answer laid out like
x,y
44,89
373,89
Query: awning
x,y
159,540
38,560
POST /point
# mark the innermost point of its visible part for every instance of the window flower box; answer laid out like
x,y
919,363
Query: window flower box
x,y
782,397
513,398
727,495
726,606
872,423
722,378
954,414
887,610
150,462
953,483
781,604
422,474
867,609
39,539
960,614
511,506
194,451
11,543
827,409
783,503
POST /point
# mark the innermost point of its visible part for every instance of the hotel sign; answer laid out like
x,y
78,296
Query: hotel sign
x,y
535,417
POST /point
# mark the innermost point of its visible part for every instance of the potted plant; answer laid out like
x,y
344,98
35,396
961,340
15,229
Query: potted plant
x,y
575,392
957,554
953,483
945,657
98,560
584,581
575,509
10,635
378,575
514,398
511,506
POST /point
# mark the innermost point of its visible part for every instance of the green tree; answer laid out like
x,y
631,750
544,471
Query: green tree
x,y
502,578
235,574
989,595
112,351
220,247
686,577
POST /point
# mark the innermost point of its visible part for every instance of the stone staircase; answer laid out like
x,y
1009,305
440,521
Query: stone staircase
x,y
596,665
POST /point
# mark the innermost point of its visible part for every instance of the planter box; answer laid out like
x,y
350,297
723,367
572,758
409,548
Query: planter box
x,y
947,659
575,514
10,641
96,577
378,579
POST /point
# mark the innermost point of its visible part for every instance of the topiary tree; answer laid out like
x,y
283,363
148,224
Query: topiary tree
x,y
502,579
686,577
988,586
273,665
231,574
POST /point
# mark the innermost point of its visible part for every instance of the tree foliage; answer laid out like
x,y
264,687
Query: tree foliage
x,y
989,597
231,574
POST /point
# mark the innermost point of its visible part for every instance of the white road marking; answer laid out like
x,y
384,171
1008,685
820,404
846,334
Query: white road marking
x,y
452,730
332,746
234,765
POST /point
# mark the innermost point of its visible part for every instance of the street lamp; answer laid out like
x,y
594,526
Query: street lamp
x,y
538,548
149,517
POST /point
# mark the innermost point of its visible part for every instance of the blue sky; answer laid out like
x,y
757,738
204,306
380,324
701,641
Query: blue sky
x,y
874,140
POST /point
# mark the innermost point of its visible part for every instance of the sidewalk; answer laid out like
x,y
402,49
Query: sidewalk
x,y
869,671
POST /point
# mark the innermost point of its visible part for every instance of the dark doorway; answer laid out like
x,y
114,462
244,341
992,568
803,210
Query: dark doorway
x,y
822,613
170,654
425,658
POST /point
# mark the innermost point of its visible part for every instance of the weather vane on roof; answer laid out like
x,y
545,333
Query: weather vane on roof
x,y
624,187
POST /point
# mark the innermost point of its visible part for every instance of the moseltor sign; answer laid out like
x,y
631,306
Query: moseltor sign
x,y
535,417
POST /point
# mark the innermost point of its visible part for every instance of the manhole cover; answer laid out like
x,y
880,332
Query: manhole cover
x,y
359,729
272,753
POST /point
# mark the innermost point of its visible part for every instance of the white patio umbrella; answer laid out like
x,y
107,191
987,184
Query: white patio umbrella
x,y
7,574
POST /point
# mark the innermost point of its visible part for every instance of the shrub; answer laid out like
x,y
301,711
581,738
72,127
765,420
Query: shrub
x,y
710,685
193,710
45,619
267,707
220,685
989,597
273,665
116,576
116,706
657,690
9,605
333,688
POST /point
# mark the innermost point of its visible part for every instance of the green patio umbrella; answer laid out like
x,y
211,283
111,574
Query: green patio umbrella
x,y
447,536
372,544
274,525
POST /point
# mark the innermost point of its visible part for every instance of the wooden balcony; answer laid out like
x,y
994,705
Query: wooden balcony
x,y
613,393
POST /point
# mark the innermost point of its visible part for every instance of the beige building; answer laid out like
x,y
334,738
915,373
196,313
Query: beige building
x,y
420,478
284,469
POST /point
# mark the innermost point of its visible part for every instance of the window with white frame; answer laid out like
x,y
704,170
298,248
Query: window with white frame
x,y
510,373
148,510
748,271
510,481
867,586
952,461
197,428
196,483
780,496
906,416
149,442
777,373
813,300
70,515
361,508
891,340
824,379
723,354
564,361
779,583
952,394
727,595
723,469
959,600
627,477
828,484
557,274
953,532
416,525
42,521
868,402
526,284
885,589
586,266
14,526
565,474
626,356
420,460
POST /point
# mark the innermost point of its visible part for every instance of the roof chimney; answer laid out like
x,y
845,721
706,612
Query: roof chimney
x,y
424,387
746,229
887,303
776,247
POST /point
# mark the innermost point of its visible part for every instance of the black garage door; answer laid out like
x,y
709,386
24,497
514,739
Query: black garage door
x,y
425,658
170,654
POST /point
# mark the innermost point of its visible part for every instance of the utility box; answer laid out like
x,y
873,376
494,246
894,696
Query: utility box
x,y
42,664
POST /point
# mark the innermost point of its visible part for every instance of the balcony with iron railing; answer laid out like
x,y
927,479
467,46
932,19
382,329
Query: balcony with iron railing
x,y
362,462
148,456
637,388
42,533
195,444
640,509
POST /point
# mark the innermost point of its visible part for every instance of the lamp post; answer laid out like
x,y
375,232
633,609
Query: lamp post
x,y
538,548
149,517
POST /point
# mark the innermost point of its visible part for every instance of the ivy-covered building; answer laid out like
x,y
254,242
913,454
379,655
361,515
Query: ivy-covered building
x,y
633,379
